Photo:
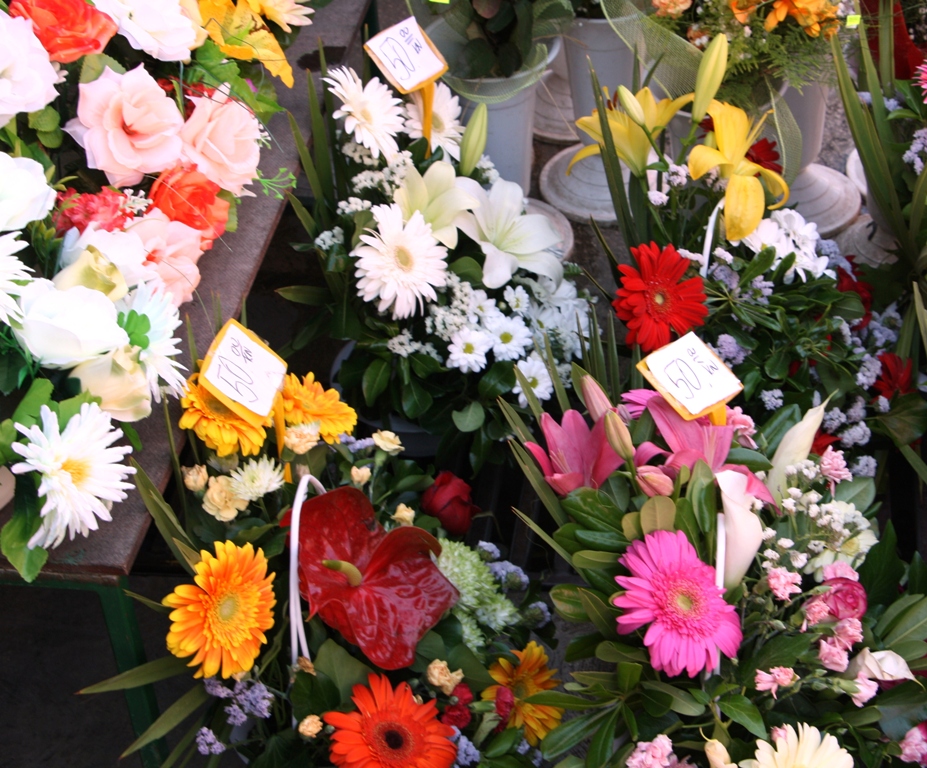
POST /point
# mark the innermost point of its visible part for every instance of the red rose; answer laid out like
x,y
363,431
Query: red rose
x,y
106,209
186,195
449,501
846,599
67,29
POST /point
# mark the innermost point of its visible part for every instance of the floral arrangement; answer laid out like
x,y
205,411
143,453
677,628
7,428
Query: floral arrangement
x,y
413,647
744,606
444,286
128,135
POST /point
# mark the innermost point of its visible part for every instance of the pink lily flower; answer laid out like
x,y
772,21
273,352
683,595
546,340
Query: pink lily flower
x,y
578,457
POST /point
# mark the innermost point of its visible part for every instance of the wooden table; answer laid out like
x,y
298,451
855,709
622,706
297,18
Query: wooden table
x,y
103,561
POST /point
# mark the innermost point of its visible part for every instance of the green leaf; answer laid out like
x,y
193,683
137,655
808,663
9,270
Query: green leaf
x,y
309,295
468,269
901,709
781,651
151,672
498,379
545,493
658,514
780,423
629,675
701,494
752,460
567,735
917,575
618,653
567,603
911,625
313,695
603,616
508,739
859,491
342,668
685,522
475,674
741,710
682,701
14,538
166,521
906,421
173,716
38,394
470,418
882,570
154,605
608,541
563,700
593,509
416,400
93,64
588,558
375,381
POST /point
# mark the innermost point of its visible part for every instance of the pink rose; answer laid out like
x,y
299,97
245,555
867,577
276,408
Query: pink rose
x,y
833,655
173,248
840,570
846,599
865,690
783,583
127,125
221,137
914,745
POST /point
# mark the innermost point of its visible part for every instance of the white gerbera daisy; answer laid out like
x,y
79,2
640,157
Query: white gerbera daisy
x,y
256,479
164,319
401,264
371,113
12,272
510,337
81,473
800,750
446,130
535,371
468,348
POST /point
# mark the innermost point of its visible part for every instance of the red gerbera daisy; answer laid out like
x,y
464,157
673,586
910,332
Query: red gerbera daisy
x,y
651,301
764,154
389,730
896,376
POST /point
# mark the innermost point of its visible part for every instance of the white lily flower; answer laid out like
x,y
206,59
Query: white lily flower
x,y
438,197
510,239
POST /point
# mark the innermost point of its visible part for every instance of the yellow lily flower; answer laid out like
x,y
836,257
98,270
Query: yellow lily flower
x,y
631,142
744,199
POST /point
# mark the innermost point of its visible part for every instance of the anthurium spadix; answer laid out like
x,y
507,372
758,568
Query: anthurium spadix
x,y
744,199
438,197
742,526
794,447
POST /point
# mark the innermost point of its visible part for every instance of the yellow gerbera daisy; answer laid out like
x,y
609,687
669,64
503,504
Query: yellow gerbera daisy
x,y
216,425
531,676
307,402
221,619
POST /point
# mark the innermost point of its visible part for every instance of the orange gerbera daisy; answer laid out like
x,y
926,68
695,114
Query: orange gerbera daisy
x,y
221,619
216,425
307,402
531,676
390,730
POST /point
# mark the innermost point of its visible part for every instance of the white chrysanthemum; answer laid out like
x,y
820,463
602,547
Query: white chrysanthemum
x,y
446,130
284,12
160,29
400,264
535,371
510,337
80,469
467,350
518,299
371,113
12,272
257,478
800,750
157,357
482,307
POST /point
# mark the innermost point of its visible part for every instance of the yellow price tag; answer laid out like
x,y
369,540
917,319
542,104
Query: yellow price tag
x,y
692,378
405,56
243,373
853,20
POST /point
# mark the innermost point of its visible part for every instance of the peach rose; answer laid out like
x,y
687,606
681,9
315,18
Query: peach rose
x,y
173,248
186,195
127,125
221,137
68,29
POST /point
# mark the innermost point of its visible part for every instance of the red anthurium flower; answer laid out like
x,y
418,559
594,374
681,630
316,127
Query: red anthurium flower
x,y
821,441
896,376
380,590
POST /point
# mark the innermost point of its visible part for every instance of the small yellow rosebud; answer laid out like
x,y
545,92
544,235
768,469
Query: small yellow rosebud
x,y
360,476
387,441
305,665
310,726
440,676
404,515
195,477
710,74
473,142
619,438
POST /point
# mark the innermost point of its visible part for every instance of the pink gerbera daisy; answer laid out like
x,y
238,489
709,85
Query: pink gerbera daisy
x,y
673,591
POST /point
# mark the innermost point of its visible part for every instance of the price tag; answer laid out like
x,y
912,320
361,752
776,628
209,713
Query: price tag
x,y
692,378
406,56
853,20
243,372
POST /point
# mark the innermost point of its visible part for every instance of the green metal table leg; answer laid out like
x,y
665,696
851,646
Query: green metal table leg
x,y
119,613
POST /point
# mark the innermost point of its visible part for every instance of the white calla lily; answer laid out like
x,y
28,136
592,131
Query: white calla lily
x,y
510,239
879,665
743,529
794,447
438,197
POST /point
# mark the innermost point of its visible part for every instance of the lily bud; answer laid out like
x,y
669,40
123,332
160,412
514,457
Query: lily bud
x,y
597,402
632,106
710,74
717,754
473,142
619,438
794,446
93,270
120,383
654,482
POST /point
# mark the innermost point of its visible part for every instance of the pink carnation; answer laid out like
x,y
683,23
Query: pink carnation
x,y
866,689
777,676
653,754
914,745
221,137
834,466
674,592
848,632
127,125
833,655
816,611
840,570
784,583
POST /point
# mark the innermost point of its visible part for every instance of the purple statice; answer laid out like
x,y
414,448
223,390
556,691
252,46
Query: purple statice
x,y
467,753
724,274
883,405
254,698
537,614
354,445
207,743
858,434
236,715
833,420
760,291
488,551
865,466
509,575
214,687
730,351
870,368
857,411
772,399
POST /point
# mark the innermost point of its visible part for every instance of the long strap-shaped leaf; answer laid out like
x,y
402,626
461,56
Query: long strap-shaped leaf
x,y
175,714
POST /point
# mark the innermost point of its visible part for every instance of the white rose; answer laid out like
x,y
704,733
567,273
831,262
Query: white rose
x,y
125,249
24,194
160,29
27,78
93,270
120,383
63,328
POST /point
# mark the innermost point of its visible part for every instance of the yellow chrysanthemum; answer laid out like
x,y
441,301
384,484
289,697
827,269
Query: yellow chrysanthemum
x,y
221,619
221,429
307,402
531,676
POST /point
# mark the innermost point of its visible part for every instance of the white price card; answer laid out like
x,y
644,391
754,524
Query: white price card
x,y
406,56
243,372
694,376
